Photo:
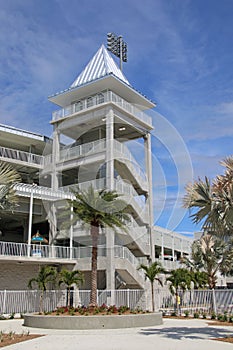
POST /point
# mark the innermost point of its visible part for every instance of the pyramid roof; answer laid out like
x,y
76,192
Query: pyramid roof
x,y
102,64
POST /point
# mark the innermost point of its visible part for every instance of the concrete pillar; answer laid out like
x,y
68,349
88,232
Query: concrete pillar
x,y
109,150
55,157
71,232
110,236
30,223
162,247
149,200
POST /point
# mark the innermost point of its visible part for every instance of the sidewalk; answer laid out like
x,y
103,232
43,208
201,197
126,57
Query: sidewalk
x,y
172,335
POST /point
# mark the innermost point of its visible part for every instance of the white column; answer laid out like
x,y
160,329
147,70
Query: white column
x,y
109,150
55,157
71,232
30,223
110,236
162,247
147,147
173,247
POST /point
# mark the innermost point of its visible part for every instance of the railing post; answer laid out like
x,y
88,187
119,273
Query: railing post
x,y
71,232
30,224
214,301
128,297
4,302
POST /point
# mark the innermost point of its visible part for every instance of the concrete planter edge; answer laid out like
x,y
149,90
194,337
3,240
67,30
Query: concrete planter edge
x,y
93,322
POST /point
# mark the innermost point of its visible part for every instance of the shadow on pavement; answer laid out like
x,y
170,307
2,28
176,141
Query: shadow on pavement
x,y
181,333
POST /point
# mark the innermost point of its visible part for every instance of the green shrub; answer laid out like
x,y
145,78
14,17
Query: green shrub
x,y
186,313
213,316
196,315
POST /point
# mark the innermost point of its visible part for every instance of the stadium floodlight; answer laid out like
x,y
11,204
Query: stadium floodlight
x,y
117,46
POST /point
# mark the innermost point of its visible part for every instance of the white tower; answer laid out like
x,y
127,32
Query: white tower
x,y
102,114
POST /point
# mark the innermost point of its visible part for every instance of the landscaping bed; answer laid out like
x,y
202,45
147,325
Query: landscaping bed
x,y
12,338
93,318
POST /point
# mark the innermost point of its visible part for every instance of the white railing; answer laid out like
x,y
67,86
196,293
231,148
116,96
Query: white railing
x,y
202,301
94,147
36,250
169,265
125,253
22,156
108,96
60,252
82,150
28,300
120,186
127,156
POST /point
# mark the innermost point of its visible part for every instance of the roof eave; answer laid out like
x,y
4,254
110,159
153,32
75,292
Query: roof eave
x,y
66,97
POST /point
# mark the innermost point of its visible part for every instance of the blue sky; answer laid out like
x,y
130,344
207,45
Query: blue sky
x,y
180,55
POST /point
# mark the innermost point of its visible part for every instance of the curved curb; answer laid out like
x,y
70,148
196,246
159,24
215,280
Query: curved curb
x,y
93,322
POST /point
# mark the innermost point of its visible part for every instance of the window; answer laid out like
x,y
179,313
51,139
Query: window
x,y
89,102
99,98
78,106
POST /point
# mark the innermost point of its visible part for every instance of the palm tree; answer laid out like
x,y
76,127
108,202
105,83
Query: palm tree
x,y
211,255
151,273
213,201
70,278
8,178
199,279
47,274
180,279
98,209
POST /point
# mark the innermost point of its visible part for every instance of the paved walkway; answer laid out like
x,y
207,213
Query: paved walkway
x,y
172,335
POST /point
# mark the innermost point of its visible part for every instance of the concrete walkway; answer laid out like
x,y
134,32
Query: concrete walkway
x,y
172,335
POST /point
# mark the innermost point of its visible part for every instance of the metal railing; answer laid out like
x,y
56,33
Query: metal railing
x,y
108,96
201,301
120,186
31,158
60,252
82,150
29,300
121,150
36,250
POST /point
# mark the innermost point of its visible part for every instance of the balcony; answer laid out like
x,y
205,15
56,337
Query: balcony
x,y
121,153
100,99
129,194
27,158
24,250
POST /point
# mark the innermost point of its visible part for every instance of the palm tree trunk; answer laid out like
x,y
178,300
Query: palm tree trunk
x,y
153,297
68,297
41,302
94,235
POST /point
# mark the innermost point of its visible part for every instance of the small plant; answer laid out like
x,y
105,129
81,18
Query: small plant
x,y
1,336
174,313
11,334
230,319
12,316
196,315
213,316
220,317
186,313
204,315
71,312
225,317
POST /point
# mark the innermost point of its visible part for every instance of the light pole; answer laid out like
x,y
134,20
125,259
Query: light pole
x,y
118,47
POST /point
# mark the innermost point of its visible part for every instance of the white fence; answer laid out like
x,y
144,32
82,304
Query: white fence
x,y
28,300
206,301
